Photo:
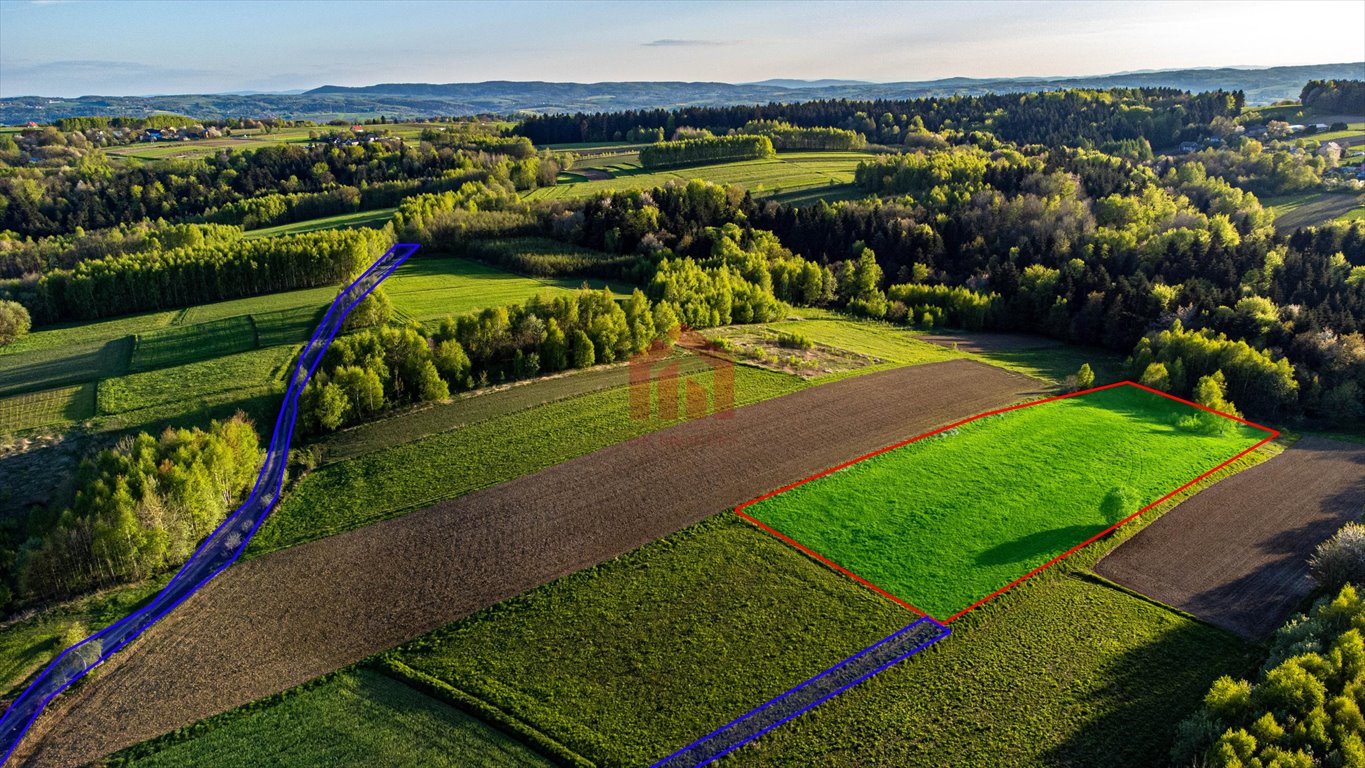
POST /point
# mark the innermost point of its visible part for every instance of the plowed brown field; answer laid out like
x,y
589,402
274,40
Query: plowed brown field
x,y
269,624
1236,553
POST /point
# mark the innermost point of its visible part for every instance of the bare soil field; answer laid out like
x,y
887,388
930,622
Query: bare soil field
x,y
274,622
1236,553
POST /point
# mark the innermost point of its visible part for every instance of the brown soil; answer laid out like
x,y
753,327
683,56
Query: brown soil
x,y
1236,553
271,623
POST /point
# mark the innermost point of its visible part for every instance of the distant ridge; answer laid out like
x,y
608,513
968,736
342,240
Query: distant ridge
x,y
415,100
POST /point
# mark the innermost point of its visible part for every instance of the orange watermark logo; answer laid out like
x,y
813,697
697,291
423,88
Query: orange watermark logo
x,y
678,392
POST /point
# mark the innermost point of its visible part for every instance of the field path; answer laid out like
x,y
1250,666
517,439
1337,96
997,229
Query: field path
x,y
1236,553
271,623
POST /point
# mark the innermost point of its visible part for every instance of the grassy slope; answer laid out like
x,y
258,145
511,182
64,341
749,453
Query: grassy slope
x,y
247,372
786,172
628,661
945,521
357,717
431,287
375,218
49,408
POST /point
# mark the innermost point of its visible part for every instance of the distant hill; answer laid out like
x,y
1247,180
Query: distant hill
x,y
415,100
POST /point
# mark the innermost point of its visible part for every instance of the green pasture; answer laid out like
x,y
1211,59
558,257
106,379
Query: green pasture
x,y
430,287
375,218
785,173
943,522
48,408
355,717
253,371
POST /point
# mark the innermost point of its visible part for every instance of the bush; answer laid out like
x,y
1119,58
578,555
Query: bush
x,y
1341,559
795,341
14,322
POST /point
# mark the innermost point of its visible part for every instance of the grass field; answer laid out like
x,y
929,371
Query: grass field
x,y
1310,208
183,344
356,717
945,521
390,481
48,408
184,385
376,218
430,287
628,661
785,173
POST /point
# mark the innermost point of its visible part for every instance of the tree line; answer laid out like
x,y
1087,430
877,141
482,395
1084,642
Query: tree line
x,y
700,151
1074,117
189,275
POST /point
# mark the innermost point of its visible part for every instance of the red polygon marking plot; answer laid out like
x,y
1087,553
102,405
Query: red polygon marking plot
x,y
1271,434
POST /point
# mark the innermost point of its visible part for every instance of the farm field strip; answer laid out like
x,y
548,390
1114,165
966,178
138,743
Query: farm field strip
x,y
785,172
432,287
931,524
389,582
49,407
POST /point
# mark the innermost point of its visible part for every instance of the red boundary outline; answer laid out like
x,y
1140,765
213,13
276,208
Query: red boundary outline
x,y
739,510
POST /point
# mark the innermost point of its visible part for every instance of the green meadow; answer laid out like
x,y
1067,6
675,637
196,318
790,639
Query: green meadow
x,y
945,521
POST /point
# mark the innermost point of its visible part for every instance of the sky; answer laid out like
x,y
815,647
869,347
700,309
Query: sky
x,y
85,47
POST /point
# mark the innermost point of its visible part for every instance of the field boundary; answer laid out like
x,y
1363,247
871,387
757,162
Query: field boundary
x,y
1271,435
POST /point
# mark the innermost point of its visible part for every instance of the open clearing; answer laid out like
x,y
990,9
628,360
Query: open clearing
x,y
429,287
1312,208
945,521
320,606
1236,554
373,218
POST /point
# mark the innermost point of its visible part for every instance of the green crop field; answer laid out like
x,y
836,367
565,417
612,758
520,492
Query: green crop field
x,y
52,407
49,367
1311,208
628,661
945,521
432,418
183,344
376,218
786,172
185,385
354,717
391,481
430,287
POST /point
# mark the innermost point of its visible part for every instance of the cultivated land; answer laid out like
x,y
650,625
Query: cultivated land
x,y
373,218
317,607
1314,208
945,521
1236,554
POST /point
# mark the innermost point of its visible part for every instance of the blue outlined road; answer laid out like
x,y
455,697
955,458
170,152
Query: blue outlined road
x,y
222,547
890,650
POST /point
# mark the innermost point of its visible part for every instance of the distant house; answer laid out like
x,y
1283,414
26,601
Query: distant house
x,y
1189,146
151,134
32,124
1320,126
358,128
1330,149
1296,128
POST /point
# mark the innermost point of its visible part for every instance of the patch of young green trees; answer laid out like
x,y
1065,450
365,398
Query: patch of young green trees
x,y
716,149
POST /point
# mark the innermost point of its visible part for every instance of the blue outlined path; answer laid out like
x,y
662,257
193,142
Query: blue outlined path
x,y
894,648
222,547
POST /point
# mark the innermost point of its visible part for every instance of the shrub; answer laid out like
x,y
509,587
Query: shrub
x,y
14,322
795,341
1340,559
1085,377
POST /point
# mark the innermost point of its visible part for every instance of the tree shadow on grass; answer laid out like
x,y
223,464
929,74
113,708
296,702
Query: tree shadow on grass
x,y
1132,717
1037,544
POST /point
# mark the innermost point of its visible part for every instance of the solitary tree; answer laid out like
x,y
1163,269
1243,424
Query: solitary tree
x,y
1085,378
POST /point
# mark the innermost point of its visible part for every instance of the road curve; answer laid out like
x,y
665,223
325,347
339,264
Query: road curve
x,y
222,546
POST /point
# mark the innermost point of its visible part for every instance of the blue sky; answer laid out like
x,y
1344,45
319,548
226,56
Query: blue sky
x,y
70,47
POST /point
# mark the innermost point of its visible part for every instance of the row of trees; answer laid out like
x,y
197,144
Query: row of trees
x,y
139,509
700,151
370,371
149,280
34,256
788,136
